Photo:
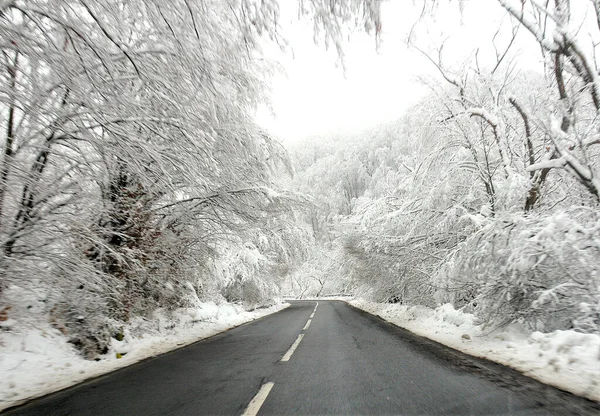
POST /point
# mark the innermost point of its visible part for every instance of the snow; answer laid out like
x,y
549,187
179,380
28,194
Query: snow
x,y
37,359
568,360
271,193
547,164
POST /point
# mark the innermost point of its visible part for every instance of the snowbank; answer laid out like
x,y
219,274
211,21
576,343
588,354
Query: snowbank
x,y
568,360
38,360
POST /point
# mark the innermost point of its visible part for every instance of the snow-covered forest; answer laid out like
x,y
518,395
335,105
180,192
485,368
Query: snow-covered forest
x,y
133,175
136,182
484,195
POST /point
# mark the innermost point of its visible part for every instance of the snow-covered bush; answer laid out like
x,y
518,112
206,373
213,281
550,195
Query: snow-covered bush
x,y
83,320
541,270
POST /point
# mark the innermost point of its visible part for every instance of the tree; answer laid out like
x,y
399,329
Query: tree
x,y
131,166
576,80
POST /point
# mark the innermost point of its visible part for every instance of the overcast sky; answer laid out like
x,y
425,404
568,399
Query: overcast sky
x,y
316,97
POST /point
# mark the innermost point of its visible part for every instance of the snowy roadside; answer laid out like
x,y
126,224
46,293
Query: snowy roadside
x,y
39,360
568,360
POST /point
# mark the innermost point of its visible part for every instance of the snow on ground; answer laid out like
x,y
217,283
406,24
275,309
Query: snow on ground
x,y
568,360
39,360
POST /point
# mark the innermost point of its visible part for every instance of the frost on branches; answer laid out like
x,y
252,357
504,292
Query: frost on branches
x,y
133,177
485,194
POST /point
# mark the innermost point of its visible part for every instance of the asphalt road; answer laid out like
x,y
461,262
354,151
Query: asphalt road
x,y
345,362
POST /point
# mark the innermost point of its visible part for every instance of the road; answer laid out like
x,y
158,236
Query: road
x,y
342,361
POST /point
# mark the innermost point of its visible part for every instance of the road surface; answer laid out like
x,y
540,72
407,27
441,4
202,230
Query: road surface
x,y
312,360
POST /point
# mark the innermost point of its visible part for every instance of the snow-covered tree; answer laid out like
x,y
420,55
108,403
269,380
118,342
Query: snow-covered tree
x,y
131,162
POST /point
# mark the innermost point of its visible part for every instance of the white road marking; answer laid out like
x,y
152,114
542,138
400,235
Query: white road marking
x,y
258,400
312,315
307,325
316,307
289,353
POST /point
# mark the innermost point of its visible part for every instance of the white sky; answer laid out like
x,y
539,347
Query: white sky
x,y
316,98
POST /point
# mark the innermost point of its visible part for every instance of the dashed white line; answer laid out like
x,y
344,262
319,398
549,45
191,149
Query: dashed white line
x,y
307,325
316,307
289,353
258,400
312,315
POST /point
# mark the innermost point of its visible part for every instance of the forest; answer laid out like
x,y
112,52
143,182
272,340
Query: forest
x,y
134,177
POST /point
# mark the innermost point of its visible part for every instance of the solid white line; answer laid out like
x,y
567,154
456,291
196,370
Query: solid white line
x,y
307,325
289,353
258,400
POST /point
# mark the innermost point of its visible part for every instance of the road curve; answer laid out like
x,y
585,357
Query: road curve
x,y
312,360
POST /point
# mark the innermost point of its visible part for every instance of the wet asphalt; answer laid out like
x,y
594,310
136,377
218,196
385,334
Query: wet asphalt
x,y
347,363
